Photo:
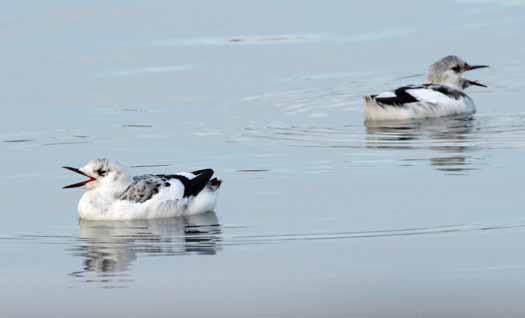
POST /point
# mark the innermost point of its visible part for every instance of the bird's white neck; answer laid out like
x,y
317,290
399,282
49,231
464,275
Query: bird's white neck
x,y
101,198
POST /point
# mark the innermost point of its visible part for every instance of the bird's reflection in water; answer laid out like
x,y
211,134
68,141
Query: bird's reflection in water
x,y
109,249
450,139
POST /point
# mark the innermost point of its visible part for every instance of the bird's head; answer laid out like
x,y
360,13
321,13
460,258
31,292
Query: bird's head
x,y
100,173
449,70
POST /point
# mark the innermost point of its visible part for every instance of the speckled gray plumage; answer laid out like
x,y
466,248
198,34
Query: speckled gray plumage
x,y
144,187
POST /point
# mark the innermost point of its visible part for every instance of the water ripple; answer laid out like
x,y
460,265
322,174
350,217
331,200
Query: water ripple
x,y
108,250
457,145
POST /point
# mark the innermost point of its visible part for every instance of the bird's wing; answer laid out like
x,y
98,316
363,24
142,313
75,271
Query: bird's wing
x,y
435,94
193,182
428,93
144,188
399,97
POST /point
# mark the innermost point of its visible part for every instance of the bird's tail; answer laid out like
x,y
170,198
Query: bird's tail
x,y
214,184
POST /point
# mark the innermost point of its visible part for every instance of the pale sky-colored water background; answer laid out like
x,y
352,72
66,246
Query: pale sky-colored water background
x,y
319,215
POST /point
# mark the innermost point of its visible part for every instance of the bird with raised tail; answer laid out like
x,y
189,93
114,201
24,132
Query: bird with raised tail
x,y
112,194
442,95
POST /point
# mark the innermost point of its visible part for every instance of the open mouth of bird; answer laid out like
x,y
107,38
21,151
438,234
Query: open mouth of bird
x,y
79,184
475,83
474,67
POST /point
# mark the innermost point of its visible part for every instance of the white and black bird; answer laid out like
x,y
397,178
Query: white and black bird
x,y
442,95
112,194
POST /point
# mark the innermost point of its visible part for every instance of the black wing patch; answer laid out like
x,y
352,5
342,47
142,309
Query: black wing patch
x,y
402,97
197,172
192,187
199,182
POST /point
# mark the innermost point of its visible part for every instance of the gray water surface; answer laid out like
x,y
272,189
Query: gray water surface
x,y
319,215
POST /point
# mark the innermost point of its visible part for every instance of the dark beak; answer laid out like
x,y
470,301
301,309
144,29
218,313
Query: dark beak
x,y
476,83
474,67
79,184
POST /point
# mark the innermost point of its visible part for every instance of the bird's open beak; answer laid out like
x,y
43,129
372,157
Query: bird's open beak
x,y
474,67
79,184
476,83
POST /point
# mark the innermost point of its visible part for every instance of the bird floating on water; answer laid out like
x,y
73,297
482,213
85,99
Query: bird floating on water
x,y
112,194
442,95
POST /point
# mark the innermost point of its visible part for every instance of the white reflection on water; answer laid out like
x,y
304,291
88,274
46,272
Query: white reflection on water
x,y
453,145
451,141
109,249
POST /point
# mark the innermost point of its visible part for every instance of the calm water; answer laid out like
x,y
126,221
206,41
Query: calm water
x,y
319,216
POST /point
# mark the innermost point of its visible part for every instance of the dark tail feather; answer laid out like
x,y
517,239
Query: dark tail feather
x,y
198,183
197,172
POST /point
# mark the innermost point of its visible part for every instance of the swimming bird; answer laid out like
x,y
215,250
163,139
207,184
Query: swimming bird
x,y
442,95
112,194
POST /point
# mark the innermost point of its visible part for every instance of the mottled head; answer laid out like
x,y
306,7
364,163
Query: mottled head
x,y
448,71
100,172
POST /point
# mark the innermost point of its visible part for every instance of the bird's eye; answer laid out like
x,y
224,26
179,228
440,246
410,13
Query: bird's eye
x,y
101,172
456,68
